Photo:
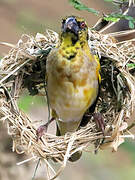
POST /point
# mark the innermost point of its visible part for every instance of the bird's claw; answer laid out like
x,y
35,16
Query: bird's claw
x,y
98,118
42,130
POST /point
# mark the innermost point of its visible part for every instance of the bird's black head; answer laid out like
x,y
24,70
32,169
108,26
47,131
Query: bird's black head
x,y
74,25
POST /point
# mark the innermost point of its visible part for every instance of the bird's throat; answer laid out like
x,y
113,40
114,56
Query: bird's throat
x,y
69,39
70,46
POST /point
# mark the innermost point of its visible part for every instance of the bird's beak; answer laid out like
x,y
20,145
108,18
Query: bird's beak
x,y
70,26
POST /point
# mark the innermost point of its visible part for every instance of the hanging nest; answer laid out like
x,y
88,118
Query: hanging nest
x,y
24,68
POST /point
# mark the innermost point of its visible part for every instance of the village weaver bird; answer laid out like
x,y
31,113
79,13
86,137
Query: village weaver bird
x,y
72,77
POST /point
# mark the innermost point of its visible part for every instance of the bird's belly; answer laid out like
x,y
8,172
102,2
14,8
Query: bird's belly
x,y
70,102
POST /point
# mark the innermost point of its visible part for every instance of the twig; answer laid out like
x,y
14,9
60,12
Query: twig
x,y
131,126
122,33
15,70
27,160
37,165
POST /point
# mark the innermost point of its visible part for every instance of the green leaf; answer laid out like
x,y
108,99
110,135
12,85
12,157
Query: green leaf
x,y
131,24
111,18
117,17
80,6
131,65
128,18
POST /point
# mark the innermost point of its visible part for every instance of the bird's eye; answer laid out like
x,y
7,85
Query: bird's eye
x,y
82,24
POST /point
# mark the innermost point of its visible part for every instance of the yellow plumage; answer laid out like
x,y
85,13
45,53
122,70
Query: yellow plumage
x,y
72,76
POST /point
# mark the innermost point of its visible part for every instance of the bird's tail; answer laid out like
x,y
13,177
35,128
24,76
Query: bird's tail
x,y
76,156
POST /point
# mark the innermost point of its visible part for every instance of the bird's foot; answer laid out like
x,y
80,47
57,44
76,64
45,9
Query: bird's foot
x,y
99,120
43,129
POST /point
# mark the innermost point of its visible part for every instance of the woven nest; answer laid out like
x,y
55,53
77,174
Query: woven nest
x,y
24,68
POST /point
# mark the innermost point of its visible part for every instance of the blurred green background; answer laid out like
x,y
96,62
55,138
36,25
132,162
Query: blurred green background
x,y
22,16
